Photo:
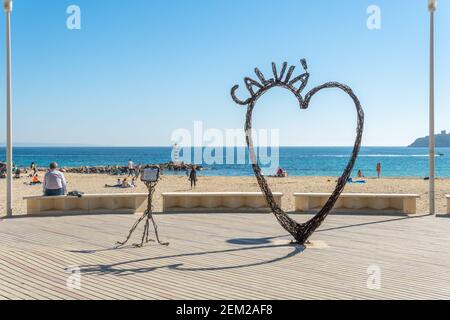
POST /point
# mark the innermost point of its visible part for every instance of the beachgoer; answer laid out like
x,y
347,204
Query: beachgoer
x,y
279,172
126,184
193,177
360,174
17,173
54,182
117,185
137,171
35,180
130,167
33,167
378,170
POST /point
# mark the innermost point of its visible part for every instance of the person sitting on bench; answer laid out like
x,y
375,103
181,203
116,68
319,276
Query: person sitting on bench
x,y
54,182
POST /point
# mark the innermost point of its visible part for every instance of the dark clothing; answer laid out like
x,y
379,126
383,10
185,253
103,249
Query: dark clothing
x,y
54,192
193,178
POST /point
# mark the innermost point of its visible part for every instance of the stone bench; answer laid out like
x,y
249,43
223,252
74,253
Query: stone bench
x,y
405,203
88,203
217,202
448,204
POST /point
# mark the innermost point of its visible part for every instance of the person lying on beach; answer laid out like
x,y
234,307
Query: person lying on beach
x,y
117,185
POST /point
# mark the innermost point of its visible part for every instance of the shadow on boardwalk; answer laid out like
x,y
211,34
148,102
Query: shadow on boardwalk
x,y
120,268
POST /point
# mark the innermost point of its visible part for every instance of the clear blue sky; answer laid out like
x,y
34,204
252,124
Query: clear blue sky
x,y
139,69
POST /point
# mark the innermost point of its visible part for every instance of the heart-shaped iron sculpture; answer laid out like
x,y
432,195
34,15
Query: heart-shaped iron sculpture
x,y
300,231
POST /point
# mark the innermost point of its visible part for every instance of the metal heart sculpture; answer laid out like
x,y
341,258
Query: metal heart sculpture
x,y
300,231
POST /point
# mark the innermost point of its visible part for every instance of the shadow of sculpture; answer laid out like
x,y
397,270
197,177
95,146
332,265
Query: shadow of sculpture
x,y
252,241
121,269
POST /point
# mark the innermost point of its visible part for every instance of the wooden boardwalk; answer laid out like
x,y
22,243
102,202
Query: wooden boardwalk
x,y
225,256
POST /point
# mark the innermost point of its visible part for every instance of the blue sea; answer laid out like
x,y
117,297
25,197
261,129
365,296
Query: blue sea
x,y
297,161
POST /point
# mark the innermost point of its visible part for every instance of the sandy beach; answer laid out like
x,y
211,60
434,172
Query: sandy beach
x,y
95,183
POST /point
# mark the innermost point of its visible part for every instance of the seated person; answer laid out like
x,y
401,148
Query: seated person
x,y
54,182
35,180
17,173
126,184
360,174
281,173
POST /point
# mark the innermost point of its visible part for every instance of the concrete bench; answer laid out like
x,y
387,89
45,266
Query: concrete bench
x,y
405,203
448,204
88,203
217,202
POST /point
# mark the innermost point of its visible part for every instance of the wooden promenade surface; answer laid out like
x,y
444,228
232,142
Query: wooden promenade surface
x,y
225,256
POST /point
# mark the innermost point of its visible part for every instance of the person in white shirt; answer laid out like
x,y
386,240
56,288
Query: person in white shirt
x,y
130,168
54,182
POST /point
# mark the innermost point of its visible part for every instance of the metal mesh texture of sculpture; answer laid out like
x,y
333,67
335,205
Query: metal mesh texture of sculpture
x,y
148,216
300,231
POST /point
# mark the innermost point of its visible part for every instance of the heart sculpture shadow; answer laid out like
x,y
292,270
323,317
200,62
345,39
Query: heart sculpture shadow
x,y
300,231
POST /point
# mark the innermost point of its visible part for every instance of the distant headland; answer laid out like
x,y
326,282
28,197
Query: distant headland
x,y
442,141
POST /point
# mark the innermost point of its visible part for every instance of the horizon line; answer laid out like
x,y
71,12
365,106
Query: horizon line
x,y
170,146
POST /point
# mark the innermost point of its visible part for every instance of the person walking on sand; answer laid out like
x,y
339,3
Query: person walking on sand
x,y
54,182
378,170
33,167
193,177
137,171
130,167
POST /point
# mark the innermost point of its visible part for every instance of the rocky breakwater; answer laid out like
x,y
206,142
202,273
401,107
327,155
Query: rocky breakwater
x,y
118,170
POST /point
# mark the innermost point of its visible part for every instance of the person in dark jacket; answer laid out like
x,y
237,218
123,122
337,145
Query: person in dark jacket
x,y
193,177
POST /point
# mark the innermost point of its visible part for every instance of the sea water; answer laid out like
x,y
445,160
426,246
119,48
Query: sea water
x,y
297,161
